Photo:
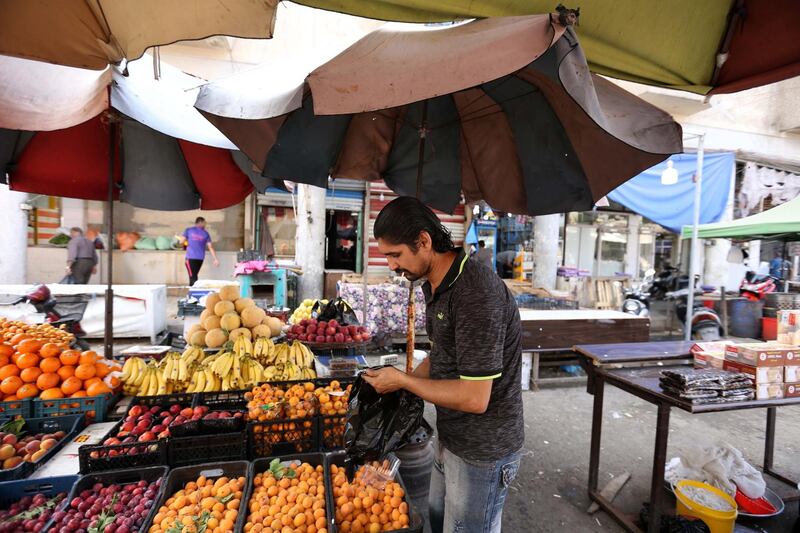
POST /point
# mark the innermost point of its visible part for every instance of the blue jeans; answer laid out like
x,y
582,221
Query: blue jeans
x,y
468,496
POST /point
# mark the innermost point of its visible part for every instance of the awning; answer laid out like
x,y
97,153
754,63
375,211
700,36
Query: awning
x,y
779,223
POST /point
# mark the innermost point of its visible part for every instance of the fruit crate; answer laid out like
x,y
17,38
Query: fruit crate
x,y
262,465
337,349
23,408
233,400
179,477
165,400
95,408
70,425
99,457
116,477
282,436
184,451
415,520
331,426
13,491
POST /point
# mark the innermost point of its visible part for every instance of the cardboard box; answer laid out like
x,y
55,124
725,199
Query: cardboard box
x,y
762,354
761,375
791,390
788,321
770,391
791,374
717,348
708,360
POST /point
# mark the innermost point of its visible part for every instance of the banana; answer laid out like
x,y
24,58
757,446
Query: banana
x,y
139,374
210,381
127,368
145,388
161,381
183,370
199,381
168,362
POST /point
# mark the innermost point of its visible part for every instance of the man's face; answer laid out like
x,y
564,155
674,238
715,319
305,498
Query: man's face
x,y
74,234
405,261
201,224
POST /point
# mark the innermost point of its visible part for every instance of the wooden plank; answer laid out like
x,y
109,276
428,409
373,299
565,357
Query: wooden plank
x,y
565,333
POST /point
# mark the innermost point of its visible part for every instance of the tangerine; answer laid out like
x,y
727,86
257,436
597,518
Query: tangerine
x,y
50,349
30,375
27,360
10,385
69,357
29,346
9,370
79,394
65,372
28,390
96,389
48,380
50,364
51,394
89,382
6,349
89,357
102,369
85,371
71,385
18,338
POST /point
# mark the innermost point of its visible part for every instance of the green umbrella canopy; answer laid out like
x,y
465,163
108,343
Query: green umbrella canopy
x,y
675,43
779,223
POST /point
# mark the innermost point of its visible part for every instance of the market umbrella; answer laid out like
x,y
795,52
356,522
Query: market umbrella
x,y
709,47
502,110
779,223
95,33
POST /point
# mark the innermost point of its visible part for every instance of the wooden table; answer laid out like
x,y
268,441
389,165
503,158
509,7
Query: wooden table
x,y
643,383
557,331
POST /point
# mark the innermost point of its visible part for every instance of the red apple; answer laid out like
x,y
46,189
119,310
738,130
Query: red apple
x,y
311,329
304,322
329,339
348,338
330,331
164,434
353,330
200,410
321,325
174,409
128,426
313,322
147,436
10,439
155,409
357,337
333,324
158,428
338,337
135,411
138,431
319,338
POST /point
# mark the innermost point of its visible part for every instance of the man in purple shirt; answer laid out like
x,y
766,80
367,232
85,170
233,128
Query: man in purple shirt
x,y
196,239
81,258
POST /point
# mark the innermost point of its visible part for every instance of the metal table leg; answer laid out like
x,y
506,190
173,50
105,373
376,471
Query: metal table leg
x,y
659,460
597,428
536,361
769,453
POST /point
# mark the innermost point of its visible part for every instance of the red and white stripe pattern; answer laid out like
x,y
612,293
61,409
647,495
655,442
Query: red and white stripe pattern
x,y
42,225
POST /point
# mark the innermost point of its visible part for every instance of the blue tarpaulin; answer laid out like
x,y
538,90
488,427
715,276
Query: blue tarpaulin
x,y
672,205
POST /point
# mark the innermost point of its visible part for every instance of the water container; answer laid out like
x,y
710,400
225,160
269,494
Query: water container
x,y
745,318
416,463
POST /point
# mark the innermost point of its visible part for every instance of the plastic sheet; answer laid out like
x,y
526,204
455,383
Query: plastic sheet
x,y
379,423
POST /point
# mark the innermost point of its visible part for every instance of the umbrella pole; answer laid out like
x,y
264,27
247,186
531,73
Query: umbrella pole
x,y
784,273
411,309
108,335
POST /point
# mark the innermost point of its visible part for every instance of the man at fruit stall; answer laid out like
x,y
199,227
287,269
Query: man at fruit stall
x,y
81,257
472,375
196,239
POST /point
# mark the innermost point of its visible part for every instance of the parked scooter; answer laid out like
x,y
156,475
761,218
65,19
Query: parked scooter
x,y
65,312
637,298
668,280
755,287
706,324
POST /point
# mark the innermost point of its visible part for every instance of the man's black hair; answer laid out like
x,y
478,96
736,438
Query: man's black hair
x,y
482,243
404,218
199,220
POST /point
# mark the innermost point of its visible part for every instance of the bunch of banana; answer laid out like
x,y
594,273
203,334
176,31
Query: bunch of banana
x,y
300,355
132,375
204,380
153,382
264,351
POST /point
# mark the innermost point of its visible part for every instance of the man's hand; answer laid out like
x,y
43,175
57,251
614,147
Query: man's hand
x,y
68,269
386,379
94,269
216,262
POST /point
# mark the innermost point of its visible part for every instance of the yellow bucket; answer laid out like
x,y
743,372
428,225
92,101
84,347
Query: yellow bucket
x,y
717,521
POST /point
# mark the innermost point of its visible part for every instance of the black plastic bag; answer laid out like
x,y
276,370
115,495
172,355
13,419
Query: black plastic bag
x,y
379,423
338,310
673,523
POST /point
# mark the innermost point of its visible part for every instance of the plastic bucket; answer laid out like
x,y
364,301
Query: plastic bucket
x,y
769,328
717,521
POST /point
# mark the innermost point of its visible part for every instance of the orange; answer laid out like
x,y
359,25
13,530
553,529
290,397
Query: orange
x,y
48,380
10,385
29,346
115,382
50,364
6,349
9,370
30,375
69,357
18,338
71,385
27,360
88,357
51,394
66,372
28,390
50,350
102,369
79,394
4,359
96,389
85,371
10,398
91,381
15,357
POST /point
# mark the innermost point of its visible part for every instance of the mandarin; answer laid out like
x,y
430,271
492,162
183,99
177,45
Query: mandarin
x,y
28,390
8,371
27,360
30,375
10,385
48,380
49,350
69,357
71,385
50,364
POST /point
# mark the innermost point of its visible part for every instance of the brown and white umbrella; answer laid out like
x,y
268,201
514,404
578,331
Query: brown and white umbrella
x,y
502,109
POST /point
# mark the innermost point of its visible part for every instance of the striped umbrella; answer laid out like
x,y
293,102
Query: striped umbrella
x,y
503,110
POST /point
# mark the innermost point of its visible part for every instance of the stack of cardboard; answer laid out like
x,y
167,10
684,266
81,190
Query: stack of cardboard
x,y
709,354
789,327
774,368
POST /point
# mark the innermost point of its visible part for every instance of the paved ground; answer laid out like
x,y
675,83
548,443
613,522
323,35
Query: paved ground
x,y
550,491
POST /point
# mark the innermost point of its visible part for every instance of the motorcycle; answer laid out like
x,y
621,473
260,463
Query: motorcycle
x,y
637,298
668,280
755,287
65,311
706,324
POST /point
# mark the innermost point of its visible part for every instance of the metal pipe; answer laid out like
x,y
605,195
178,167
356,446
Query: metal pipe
x,y
698,192
108,334
365,249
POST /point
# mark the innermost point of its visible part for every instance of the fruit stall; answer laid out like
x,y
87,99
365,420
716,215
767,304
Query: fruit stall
x,y
235,433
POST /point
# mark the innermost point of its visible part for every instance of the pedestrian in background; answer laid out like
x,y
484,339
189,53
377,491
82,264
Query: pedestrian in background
x,y
485,255
196,239
81,257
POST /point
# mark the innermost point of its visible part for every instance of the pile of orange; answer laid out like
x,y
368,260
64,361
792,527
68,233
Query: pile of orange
x,y
293,409
288,505
206,505
45,332
32,367
362,508
333,402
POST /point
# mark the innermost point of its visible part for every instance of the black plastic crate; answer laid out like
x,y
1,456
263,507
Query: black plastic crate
x,y
13,491
184,451
414,518
282,437
164,400
70,424
117,477
99,457
179,477
233,400
331,426
262,465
